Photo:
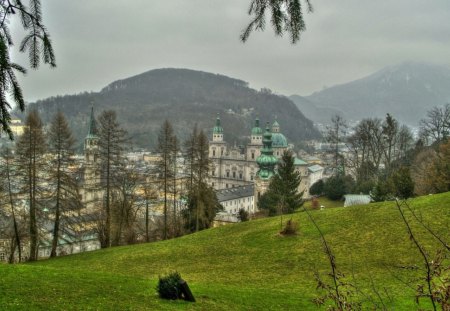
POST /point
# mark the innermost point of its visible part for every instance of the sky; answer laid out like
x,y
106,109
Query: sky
x,y
98,42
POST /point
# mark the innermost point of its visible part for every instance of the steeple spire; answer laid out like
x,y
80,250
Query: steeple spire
x,y
218,128
92,125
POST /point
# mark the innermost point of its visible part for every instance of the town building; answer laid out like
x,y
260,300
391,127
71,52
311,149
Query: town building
x,y
254,164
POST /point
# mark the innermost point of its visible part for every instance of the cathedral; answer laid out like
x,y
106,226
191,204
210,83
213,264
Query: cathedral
x,y
236,169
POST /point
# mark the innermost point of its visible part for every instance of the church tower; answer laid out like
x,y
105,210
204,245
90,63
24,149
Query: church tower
x,y
92,155
254,148
217,147
266,163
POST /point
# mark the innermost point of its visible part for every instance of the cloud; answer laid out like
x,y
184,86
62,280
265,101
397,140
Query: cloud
x,y
102,41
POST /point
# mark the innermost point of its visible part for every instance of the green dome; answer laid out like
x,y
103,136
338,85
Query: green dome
x,y
218,128
279,140
266,161
256,130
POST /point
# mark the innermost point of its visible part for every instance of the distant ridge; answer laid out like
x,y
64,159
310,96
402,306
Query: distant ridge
x,y
184,97
407,91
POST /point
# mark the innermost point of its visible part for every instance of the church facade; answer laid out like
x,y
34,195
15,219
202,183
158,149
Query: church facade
x,y
256,163
234,166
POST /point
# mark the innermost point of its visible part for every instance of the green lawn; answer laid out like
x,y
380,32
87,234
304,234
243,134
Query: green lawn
x,y
246,266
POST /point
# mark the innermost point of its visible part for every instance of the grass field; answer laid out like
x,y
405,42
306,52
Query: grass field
x,y
246,266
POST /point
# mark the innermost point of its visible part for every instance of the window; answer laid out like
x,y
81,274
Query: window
x,y
214,153
226,185
228,173
240,175
2,257
234,174
253,155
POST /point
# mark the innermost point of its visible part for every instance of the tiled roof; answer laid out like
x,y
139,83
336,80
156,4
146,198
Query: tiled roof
x,y
235,193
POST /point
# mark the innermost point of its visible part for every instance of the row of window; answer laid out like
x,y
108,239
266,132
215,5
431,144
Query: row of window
x,y
230,203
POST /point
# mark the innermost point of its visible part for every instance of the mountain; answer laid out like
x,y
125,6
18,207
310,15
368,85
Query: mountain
x,y
184,97
407,91
313,111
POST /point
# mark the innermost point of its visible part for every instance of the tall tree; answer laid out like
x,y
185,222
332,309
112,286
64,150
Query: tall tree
x,y
282,195
7,171
31,148
389,131
112,138
436,126
166,149
61,146
335,136
36,42
202,201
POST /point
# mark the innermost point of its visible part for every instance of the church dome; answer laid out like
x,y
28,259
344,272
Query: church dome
x,y
279,140
256,130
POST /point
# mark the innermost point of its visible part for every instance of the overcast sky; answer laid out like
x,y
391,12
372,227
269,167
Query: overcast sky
x,y
97,42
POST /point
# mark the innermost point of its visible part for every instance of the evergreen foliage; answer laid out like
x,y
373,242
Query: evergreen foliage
x,y
169,286
337,185
317,188
202,207
403,183
36,42
287,15
282,196
202,204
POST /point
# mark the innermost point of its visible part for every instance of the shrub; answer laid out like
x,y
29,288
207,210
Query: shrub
x,y
169,286
243,215
290,228
317,188
315,204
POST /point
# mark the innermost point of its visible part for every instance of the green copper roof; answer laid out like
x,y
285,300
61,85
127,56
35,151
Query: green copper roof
x,y
218,128
92,126
275,124
256,130
279,140
267,161
298,161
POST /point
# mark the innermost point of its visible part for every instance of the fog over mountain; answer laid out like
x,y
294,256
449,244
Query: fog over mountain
x,y
407,91
184,97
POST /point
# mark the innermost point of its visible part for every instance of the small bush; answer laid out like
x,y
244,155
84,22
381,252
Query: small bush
x,y
243,215
291,228
169,286
315,203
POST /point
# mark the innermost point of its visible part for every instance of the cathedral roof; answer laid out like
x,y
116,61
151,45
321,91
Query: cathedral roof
x,y
267,161
279,140
256,130
92,126
218,129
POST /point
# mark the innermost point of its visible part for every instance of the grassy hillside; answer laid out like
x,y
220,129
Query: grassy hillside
x,y
246,266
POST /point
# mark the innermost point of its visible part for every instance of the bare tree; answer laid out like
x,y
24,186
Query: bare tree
x,y
166,149
436,126
111,144
335,136
31,148
7,170
61,145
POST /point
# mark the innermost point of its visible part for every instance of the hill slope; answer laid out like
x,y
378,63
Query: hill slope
x,y
184,97
239,267
407,91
